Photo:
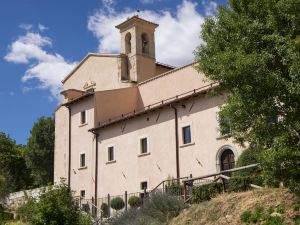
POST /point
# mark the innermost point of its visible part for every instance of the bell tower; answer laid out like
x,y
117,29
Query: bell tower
x,y
138,44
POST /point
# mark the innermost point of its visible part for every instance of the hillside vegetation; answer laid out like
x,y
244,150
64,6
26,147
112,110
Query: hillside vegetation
x,y
265,206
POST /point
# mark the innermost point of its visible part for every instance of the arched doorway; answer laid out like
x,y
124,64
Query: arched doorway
x,y
227,160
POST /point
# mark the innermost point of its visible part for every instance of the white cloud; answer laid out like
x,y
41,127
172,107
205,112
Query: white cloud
x,y
146,1
176,37
210,7
45,67
42,27
26,26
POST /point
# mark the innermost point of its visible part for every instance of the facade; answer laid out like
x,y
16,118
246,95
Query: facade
x,y
127,122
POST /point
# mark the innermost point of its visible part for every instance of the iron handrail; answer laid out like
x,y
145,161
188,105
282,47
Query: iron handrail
x,y
222,172
168,180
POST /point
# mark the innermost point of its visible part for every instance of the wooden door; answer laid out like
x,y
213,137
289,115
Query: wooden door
x,y
227,160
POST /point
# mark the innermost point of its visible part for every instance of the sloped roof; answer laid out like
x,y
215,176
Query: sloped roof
x,y
135,19
84,59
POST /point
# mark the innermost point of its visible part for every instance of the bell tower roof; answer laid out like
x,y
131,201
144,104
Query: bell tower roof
x,y
134,21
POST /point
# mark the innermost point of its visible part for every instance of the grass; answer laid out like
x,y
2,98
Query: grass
x,y
15,223
266,206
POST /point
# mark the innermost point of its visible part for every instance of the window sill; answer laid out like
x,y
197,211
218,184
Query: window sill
x,y
111,162
144,154
224,137
186,145
82,168
82,125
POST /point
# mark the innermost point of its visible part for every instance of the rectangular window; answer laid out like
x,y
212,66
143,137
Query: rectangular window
x,y
82,160
224,126
111,153
82,193
83,117
144,145
144,185
186,135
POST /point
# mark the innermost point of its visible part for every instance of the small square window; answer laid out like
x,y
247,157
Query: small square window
x,y
186,134
144,145
83,117
82,193
144,185
82,160
224,126
111,153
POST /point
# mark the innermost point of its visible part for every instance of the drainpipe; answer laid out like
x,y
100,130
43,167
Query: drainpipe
x,y
96,169
177,140
69,166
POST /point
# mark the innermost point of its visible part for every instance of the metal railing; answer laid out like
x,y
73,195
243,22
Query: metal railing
x,y
165,183
183,188
214,177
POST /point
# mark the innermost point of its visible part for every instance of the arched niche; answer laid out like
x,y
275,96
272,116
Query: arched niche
x,y
128,43
145,43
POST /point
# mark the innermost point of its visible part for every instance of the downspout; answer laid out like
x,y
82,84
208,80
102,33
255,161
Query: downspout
x,y
176,141
69,166
96,170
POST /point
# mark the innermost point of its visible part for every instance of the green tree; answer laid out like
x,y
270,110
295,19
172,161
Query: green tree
x,y
41,151
54,206
15,175
252,49
3,188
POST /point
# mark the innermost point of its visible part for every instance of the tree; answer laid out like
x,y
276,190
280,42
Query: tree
x,y
41,151
15,175
252,49
54,206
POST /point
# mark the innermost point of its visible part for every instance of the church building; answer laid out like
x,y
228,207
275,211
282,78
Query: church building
x,y
128,122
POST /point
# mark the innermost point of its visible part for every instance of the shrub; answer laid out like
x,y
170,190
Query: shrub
x,y
104,208
117,203
206,192
155,211
4,215
237,184
248,156
174,188
245,217
262,216
135,201
56,206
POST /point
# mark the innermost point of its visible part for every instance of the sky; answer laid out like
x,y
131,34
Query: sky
x,y
41,41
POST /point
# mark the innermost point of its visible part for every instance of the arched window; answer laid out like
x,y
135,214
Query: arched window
x,y
145,43
128,43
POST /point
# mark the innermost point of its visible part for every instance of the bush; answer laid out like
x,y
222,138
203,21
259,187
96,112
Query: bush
x,y
56,206
158,209
237,184
4,215
135,201
117,203
104,208
262,216
249,156
174,188
206,192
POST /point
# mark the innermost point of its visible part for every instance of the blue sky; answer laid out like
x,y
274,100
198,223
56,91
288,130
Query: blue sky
x,y
41,41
